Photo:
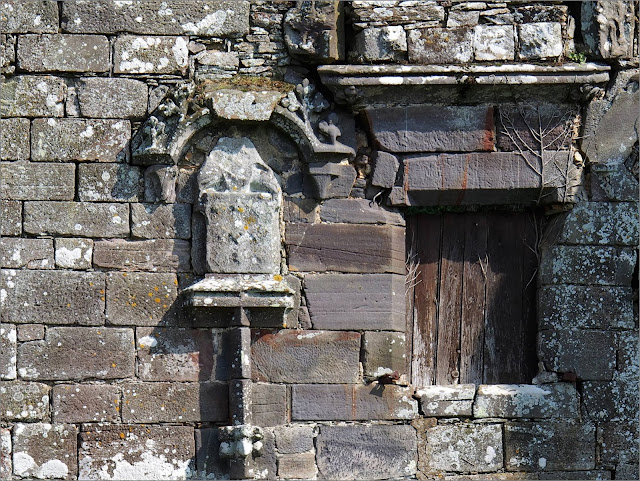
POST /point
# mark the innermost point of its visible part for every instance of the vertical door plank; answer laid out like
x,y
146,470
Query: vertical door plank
x,y
529,328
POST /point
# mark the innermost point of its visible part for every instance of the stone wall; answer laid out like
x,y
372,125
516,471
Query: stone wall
x,y
202,247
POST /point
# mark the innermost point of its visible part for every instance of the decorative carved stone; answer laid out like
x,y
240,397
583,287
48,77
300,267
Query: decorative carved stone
x,y
314,31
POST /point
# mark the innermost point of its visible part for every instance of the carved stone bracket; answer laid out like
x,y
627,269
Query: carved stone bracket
x,y
240,441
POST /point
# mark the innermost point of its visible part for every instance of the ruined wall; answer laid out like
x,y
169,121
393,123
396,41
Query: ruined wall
x,y
116,363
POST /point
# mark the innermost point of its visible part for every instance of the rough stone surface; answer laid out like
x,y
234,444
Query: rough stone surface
x,y
611,401
440,45
80,219
357,211
157,255
269,404
613,182
335,402
109,183
79,139
6,467
45,451
153,221
59,298
86,403
306,356
446,401
160,183
37,181
561,475
598,223
366,452
463,448
30,253
540,40
393,12
73,253
297,466
32,96
330,180
24,401
494,42
8,338
136,452
14,139
294,439
63,53
628,360
234,104
608,28
300,210
100,353
385,170
381,44
118,98
30,332
141,299
383,353
11,216
153,55
314,32
209,465
168,402
526,401
18,16
549,446
618,442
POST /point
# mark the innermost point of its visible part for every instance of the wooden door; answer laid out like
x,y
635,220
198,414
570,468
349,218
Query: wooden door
x,y
472,300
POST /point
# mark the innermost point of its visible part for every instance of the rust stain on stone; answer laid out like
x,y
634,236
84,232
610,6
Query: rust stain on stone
x,y
489,135
465,178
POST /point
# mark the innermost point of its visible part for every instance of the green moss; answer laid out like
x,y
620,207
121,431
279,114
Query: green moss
x,y
244,83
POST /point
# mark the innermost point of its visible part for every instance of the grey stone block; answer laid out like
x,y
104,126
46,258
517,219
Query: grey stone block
x,y
300,210
385,170
30,332
550,446
541,13
117,98
329,180
315,32
608,29
100,353
8,337
18,16
6,466
358,211
559,400
147,451
215,18
10,217
613,182
79,139
397,13
141,299
628,360
7,54
269,406
174,402
611,401
37,181
494,42
366,452
297,466
381,44
383,353
30,253
440,45
24,401
291,356
155,221
459,18
618,442
446,401
209,465
601,223
45,451
151,55
109,183
32,96
335,402
294,439
14,139
540,40
63,53
561,475
73,253
160,183
80,219
86,403
157,255
627,471
52,297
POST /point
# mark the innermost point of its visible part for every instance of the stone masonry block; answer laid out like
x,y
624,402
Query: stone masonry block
x,y
157,255
32,96
45,451
269,405
24,401
73,253
155,221
562,475
86,403
357,211
14,139
356,301
113,98
550,446
377,44
10,217
17,252
383,353
618,442
397,13
18,16
216,18
587,265
435,45
6,467
8,337
366,452
30,332
141,299
611,401
446,401
297,466
151,55
385,170
97,352
603,223
209,465
540,40
52,297
37,181
608,28
79,219
628,361
80,139
136,452
292,356
174,402
294,438
494,42
7,54
63,53
109,182
463,448
336,402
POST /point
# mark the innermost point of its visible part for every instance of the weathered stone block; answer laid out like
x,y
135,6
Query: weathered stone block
x,y
628,359
356,301
494,42
30,253
464,448
306,356
73,253
446,401
422,128
7,54
608,28
561,475
549,446
627,471
32,96
37,181
314,32
79,139
45,451
611,401
117,98
383,353
459,18
10,217
86,403
618,442
587,265
63,53
233,104
6,467
209,465
585,307
385,170
440,45
24,401
136,452
154,221
7,351
329,180
526,401
174,402
294,439
335,402
393,13
141,299
366,452
155,55
540,40
593,223
380,44
297,466
109,182
157,255
358,211
100,353
52,297
76,219
613,182
30,332
14,139
160,183
300,210
269,404
18,16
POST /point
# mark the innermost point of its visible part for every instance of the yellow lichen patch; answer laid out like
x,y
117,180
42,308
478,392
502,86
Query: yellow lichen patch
x,y
102,298
124,274
101,291
150,294
246,227
113,364
91,283
277,277
133,304
175,281
156,288
158,301
240,209
122,435
164,306
68,305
